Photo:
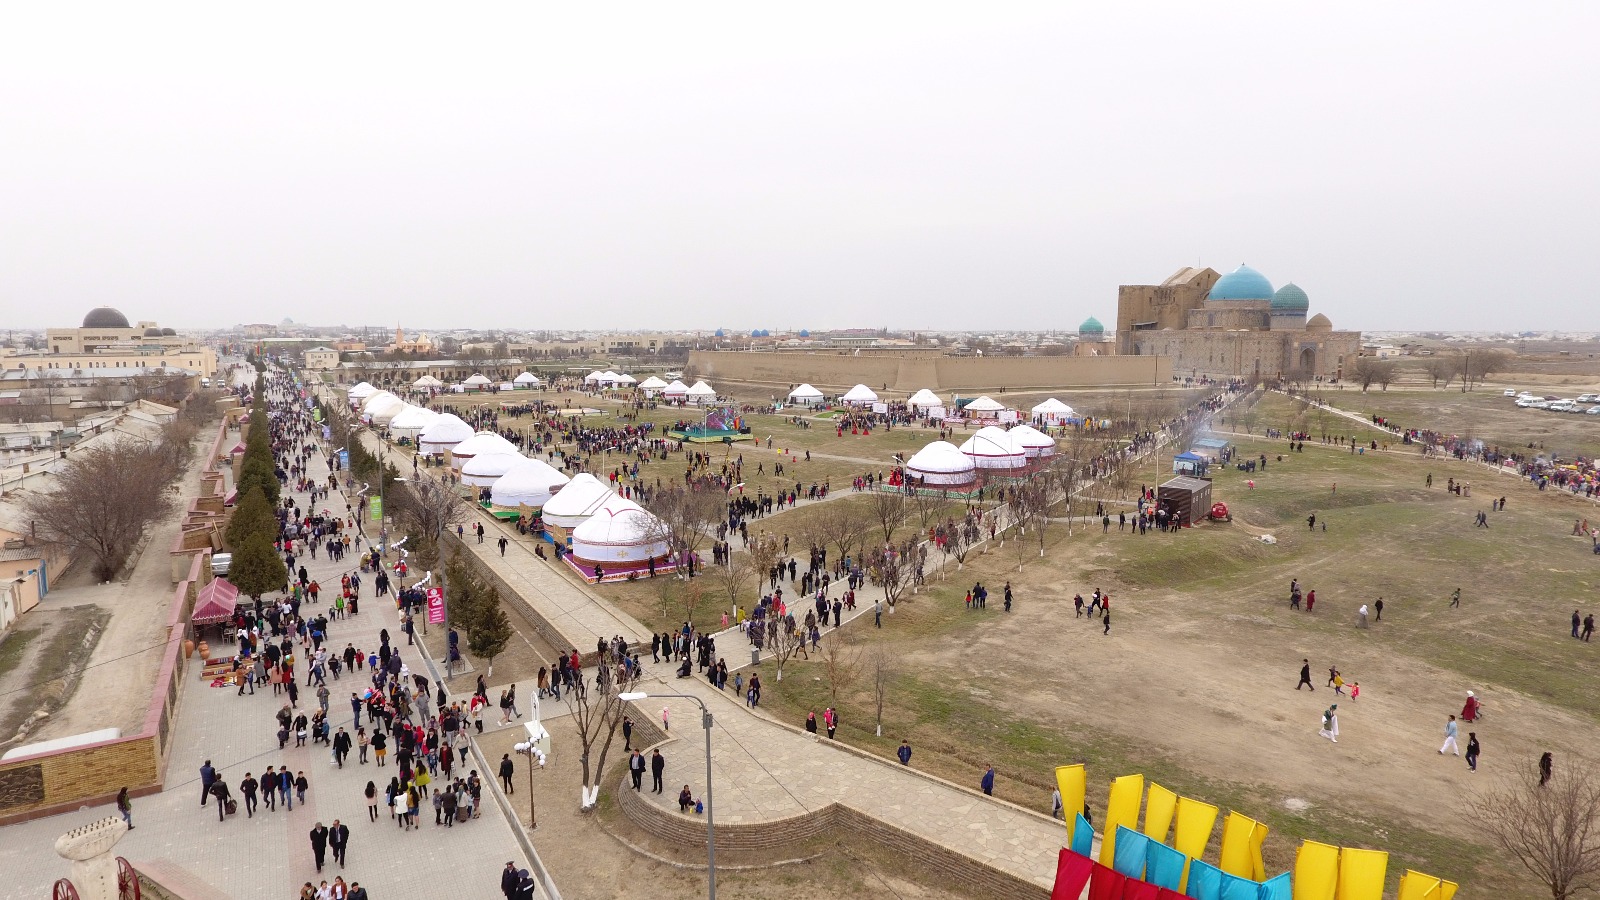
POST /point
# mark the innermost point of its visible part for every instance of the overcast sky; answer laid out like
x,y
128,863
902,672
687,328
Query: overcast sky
x,y
541,165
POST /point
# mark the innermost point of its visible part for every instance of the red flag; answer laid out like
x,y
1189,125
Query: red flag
x,y
1072,873
1106,883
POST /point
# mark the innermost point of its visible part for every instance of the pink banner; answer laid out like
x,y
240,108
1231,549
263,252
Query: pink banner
x,y
435,606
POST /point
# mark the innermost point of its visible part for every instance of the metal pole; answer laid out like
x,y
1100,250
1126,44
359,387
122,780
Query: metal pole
x,y
711,808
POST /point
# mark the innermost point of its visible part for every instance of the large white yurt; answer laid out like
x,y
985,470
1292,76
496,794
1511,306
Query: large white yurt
x,y
482,442
806,394
443,434
375,397
675,391
410,422
860,395
625,379
427,381
609,378
1037,444
994,449
387,414
924,399
985,408
361,391
1052,412
484,469
382,407
476,382
526,380
701,394
594,377
575,503
530,483
942,464
620,538
652,386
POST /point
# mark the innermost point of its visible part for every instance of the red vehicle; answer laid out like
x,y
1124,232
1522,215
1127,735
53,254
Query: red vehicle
x,y
1219,512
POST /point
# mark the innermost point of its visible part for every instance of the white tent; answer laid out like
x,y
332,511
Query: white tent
x,y
384,416
1052,412
625,378
994,448
609,377
480,443
427,381
621,534
443,434
985,405
382,407
526,379
701,394
924,399
484,469
805,393
675,391
1035,442
860,395
652,386
376,397
409,423
594,377
577,501
476,381
531,482
942,464
361,391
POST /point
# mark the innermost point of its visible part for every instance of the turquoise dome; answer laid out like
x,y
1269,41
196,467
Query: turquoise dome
x,y
1091,325
1243,283
1290,298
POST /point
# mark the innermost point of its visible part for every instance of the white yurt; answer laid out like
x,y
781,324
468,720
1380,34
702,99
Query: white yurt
x,y
625,379
995,449
1052,412
480,443
375,397
575,503
609,378
427,381
942,464
675,391
443,434
806,394
361,391
476,382
701,394
409,423
985,407
594,377
384,416
1037,444
652,386
860,395
620,538
924,399
484,469
530,483
382,407
526,380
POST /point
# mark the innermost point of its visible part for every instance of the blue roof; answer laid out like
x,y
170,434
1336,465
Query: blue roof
x,y
1091,324
1243,283
1190,457
1291,297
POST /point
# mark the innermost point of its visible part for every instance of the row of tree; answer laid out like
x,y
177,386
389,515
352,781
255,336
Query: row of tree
x,y
252,529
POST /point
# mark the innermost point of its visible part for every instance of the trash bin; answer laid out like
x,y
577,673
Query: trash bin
x,y
755,656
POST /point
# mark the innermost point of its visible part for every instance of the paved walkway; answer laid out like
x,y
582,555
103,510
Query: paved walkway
x,y
269,855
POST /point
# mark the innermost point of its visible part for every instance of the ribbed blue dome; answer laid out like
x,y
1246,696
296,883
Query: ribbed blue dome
x,y
1291,298
1243,283
1091,325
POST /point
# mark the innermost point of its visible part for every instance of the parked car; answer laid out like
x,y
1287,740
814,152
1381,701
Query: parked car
x,y
1594,410
1511,392
220,563
1589,398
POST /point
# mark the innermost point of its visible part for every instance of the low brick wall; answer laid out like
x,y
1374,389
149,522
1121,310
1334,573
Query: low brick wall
x,y
690,830
938,862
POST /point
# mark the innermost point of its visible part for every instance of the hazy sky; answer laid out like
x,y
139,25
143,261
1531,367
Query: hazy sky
x,y
540,165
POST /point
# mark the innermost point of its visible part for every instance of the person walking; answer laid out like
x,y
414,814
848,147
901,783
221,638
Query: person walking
x,y
1472,751
1455,598
1305,676
1377,607
636,770
341,746
658,766
319,843
339,841
371,793
219,788
1577,622
248,788
987,782
1546,768
1330,723
1105,619
208,775
508,881
502,543
507,769
904,753
1361,616
1450,737
125,807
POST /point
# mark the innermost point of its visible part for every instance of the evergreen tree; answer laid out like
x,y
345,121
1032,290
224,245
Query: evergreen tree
x,y
489,630
257,568
252,515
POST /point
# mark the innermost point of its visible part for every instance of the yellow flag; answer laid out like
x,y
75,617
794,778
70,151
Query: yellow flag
x,y
1072,782
1159,806
1316,871
1121,809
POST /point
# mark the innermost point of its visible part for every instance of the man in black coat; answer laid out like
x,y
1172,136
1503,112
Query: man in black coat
x,y
208,775
508,881
658,765
319,844
339,840
341,746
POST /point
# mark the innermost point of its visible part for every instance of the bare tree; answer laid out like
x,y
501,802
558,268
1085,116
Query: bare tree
x,y
842,525
893,569
1480,364
1552,829
1443,369
1387,372
734,578
783,640
765,551
890,510
427,505
880,670
596,714
103,500
841,658
685,517
926,506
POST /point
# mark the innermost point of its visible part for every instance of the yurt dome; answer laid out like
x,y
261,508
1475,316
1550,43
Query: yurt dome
x,y
362,391
995,448
1036,443
618,536
410,422
380,408
625,378
701,393
923,399
443,433
384,416
1052,407
675,389
476,380
985,404
652,384
860,394
531,482
805,393
482,442
574,504
427,381
484,469
376,397
941,463
527,378
594,377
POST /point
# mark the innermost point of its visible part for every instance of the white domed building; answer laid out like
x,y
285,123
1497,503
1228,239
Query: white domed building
x,y
622,539
996,452
527,486
443,434
480,443
941,466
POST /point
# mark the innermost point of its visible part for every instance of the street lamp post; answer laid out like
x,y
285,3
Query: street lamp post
x,y
711,825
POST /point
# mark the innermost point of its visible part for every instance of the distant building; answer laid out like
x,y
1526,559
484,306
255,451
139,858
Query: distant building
x,y
1232,325
322,359
107,340
1092,339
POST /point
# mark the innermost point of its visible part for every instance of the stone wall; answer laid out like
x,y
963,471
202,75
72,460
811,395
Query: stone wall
x,y
837,372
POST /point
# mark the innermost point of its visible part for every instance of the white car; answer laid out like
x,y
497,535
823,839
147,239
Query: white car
x,y
1589,398
1511,392
1594,410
